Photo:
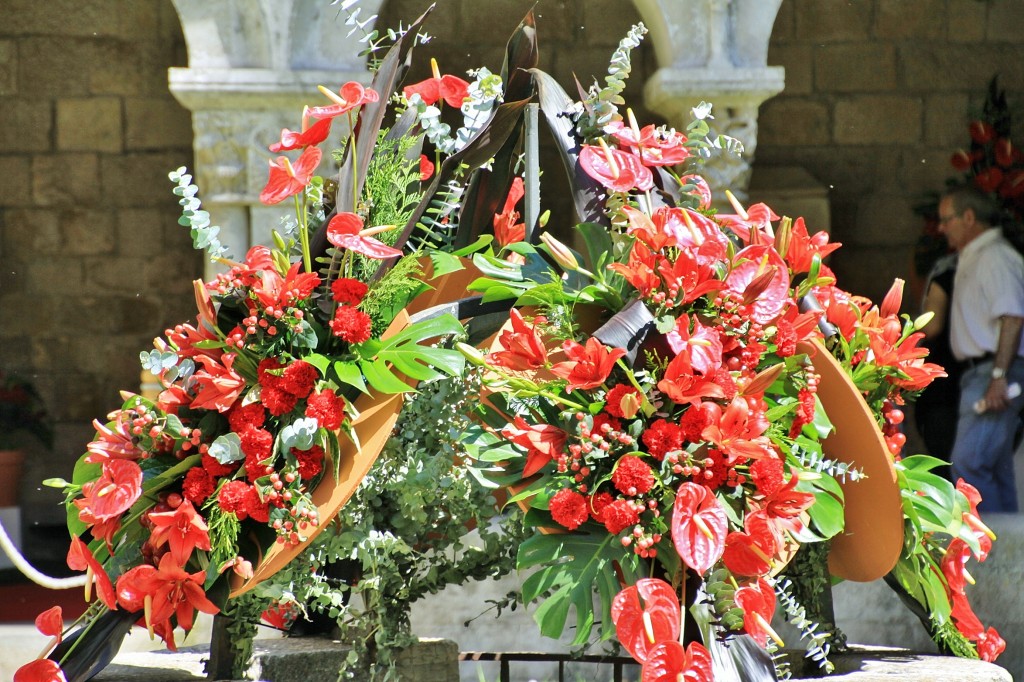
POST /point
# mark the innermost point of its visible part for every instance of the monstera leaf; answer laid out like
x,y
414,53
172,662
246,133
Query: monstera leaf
x,y
404,352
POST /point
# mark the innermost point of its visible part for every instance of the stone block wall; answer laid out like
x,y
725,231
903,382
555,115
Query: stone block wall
x,y
878,97
93,262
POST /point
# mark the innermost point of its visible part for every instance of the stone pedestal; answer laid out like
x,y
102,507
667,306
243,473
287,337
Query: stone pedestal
x,y
882,664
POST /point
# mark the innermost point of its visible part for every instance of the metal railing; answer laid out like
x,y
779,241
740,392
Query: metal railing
x,y
506,658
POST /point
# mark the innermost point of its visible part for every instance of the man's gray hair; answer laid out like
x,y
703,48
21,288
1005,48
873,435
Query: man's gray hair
x,y
966,197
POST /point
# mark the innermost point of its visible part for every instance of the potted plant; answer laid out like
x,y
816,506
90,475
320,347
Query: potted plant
x,y
21,413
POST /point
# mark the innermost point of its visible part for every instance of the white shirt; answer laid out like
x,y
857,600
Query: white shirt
x,y
989,283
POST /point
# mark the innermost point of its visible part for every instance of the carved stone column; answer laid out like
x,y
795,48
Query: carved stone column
x,y
714,51
253,64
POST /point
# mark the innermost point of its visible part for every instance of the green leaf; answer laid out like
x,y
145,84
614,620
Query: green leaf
x,y
405,352
574,566
350,374
380,377
445,263
826,514
598,243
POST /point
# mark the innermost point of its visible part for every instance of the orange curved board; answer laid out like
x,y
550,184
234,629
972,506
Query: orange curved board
x,y
871,542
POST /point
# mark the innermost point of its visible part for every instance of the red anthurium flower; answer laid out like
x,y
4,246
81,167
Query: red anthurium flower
x,y
655,146
40,670
506,229
803,247
753,265
757,218
644,615
701,189
758,604
51,622
346,232
961,160
701,347
750,553
183,529
617,170
543,442
953,565
352,95
309,136
1013,186
81,559
1004,152
426,168
964,618
452,89
982,132
981,531
989,179
692,230
287,179
670,662
522,347
116,489
173,592
219,384
588,366
699,526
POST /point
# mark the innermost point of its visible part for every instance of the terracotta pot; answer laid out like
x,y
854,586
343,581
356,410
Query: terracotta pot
x,y
11,462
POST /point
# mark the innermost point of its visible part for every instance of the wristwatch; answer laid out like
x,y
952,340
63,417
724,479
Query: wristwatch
x,y
998,373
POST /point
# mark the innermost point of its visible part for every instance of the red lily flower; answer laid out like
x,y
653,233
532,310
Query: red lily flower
x,y
840,309
803,247
752,268
691,275
736,431
750,553
113,493
352,95
588,366
617,170
40,670
543,442
681,385
670,662
758,604
644,615
452,89
112,443
219,384
787,503
81,559
172,592
287,179
346,232
276,291
639,270
506,229
699,526
701,348
182,528
522,346
307,137
655,145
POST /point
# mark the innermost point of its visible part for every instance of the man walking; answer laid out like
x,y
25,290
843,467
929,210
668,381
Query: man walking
x,y
986,318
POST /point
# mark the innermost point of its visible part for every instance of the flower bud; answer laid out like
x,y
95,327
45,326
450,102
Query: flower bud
x,y
560,252
472,354
893,300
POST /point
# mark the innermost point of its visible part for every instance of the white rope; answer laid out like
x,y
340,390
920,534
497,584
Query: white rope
x,y
30,572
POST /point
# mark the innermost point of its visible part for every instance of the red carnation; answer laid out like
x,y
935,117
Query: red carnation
x,y
569,508
693,423
278,401
662,437
767,473
327,408
257,509
619,515
255,468
242,416
351,325
632,476
198,485
231,498
215,468
598,503
613,406
348,291
299,378
256,443
310,462
265,372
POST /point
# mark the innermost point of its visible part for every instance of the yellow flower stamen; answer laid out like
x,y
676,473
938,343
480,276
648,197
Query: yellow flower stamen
x,y
305,118
763,265
976,523
612,166
147,605
89,576
370,231
692,227
49,645
434,70
703,527
968,577
736,206
106,490
288,166
648,627
766,626
331,95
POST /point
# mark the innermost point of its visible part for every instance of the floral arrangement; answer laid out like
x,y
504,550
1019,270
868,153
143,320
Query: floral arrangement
x,y
653,407
180,501
993,164
21,411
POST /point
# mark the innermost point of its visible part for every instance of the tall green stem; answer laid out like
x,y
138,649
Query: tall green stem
x,y
300,216
355,163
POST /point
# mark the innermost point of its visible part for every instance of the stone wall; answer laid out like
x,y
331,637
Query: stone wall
x,y
878,96
94,264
